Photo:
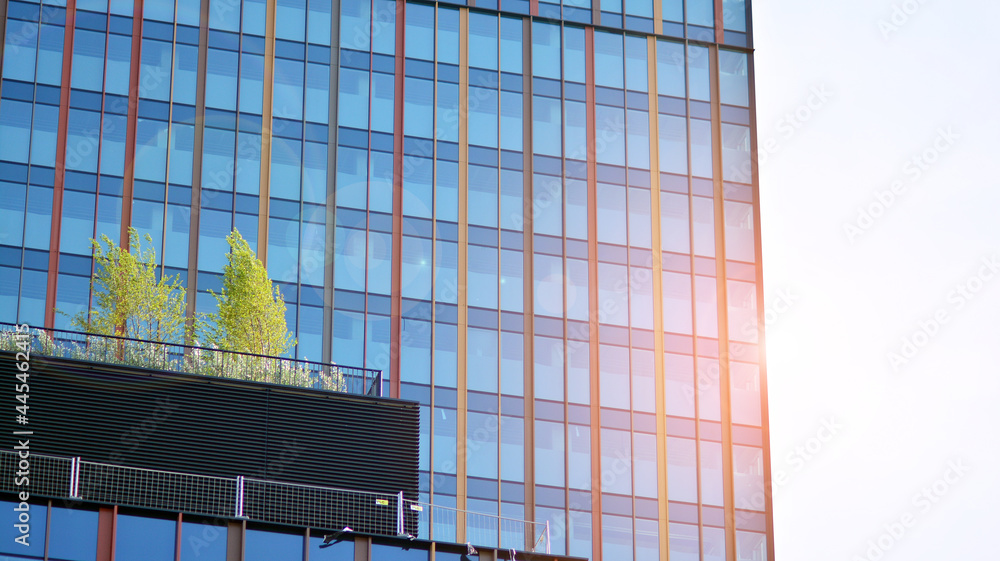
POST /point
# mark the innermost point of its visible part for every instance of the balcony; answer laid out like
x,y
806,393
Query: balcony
x,y
190,359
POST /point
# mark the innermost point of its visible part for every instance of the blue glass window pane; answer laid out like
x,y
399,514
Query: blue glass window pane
x,y
178,228
447,36
574,49
676,303
286,166
711,472
252,83
415,351
748,477
511,200
447,112
578,457
44,133
511,121
318,22
482,446
50,54
641,8
674,221
379,262
576,129
19,50
698,84
290,20
483,125
220,89
483,196
203,542
248,162
580,531
616,457
733,81
181,153
673,144
610,143
383,39
511,56
578,372
701,148
348,337
272,546
734,15
636,70
684,542
673,10
283,249
314,159
701,12
144,539
381,552
545,55
638,139
377,345
120,65
39,218
418,186
317,93
446,200
223,14
736,162
15,130
73,534
82,140
548,285
611,213
482,360
113,145
254,16
512,366
217,162
549,363
313,256
615,380
547,118
340,551
12,213
420,31
750,546
416,272
382,102
418,108
483,43
550,453
446,272
682,473
349,259
577,290
88,60
608,57
352,177
78,223
158,11
185,74
482,291
670,68
511,280
644,463
212,246
151,150
512,448
289,81
380,187
613,6
33,518
679,387
355,25
109,216
445,367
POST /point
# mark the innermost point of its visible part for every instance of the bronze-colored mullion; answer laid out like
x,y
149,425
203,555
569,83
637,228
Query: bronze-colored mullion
x,y
177,537
396,273
657,245
196,164
107,520
463,265
131,124
529,281
657,27
235,532
330,219
719,23
594,304
266,131
59,181
722,304
759,277
3,28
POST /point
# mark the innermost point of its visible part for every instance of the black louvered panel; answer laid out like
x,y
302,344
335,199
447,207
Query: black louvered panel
x,y
212,426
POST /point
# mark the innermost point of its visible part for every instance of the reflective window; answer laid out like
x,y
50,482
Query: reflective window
x,y
550,454
261,545
482,445
682,470
711,473
73,532
701,12
683,542
139,538
31,542
745,381
616,534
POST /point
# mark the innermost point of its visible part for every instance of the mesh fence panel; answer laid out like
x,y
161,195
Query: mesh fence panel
x,y
49,476
144,488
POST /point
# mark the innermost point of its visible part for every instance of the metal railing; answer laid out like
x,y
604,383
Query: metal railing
x,y
268,501
193,359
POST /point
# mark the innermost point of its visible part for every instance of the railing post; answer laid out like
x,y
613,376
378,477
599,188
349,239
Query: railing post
x,y
548,538
74,477
239,496
399,514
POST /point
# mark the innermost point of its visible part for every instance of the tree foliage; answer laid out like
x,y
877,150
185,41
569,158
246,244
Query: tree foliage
x,y
251,314
129,299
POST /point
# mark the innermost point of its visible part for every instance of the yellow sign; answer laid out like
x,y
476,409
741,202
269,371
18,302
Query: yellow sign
x,y
382,502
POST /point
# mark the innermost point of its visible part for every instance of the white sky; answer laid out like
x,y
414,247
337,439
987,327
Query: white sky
x,y
854,299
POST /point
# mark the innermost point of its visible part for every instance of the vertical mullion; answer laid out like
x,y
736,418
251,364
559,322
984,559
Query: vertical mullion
x,y
657,246
60,173
396,303
331,178
719,24
266,131
197,159
131,125
722,303
463,265
528,245
595,382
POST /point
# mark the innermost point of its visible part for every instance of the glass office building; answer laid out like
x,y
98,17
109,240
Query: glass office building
x,y
539,219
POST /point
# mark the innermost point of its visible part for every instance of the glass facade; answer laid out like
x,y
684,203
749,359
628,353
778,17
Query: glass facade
x,y
539,218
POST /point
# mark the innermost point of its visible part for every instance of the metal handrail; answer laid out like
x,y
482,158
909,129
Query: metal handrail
x,y
196,359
